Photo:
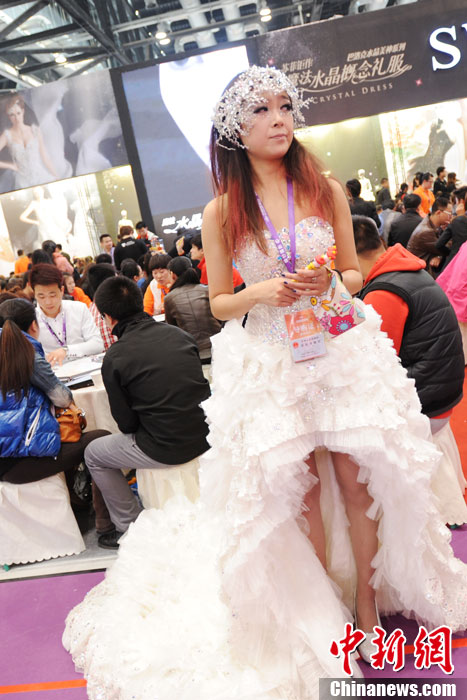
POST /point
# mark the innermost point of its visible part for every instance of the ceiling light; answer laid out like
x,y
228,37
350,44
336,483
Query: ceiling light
x,y
164,42
31,80
265,11
266,18
8,68
60,58
161,35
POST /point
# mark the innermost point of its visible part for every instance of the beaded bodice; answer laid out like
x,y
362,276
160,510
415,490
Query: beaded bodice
x,y
24,156
313,236
27,158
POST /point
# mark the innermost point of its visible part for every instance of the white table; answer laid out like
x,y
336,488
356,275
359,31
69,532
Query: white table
x,y
95,403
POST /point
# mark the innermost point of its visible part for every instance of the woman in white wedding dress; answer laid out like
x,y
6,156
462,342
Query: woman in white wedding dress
x,y
317,483
51,217
30,161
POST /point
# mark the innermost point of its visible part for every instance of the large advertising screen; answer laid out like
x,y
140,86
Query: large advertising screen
x,y
170,108
394,145
72,212
373,62
55,131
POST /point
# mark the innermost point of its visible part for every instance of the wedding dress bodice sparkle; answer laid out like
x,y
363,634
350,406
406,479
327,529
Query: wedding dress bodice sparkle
x,y
313,237
31,170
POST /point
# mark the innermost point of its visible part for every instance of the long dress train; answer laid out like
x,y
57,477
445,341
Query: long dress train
x,y
226,598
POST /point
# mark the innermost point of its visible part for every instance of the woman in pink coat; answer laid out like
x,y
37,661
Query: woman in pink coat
x,y
453,280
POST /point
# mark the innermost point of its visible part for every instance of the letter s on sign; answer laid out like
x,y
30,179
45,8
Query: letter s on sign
x,y
438,45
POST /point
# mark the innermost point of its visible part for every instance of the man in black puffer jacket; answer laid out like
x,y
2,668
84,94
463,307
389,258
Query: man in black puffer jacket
x,y
419,319
417,316
155,384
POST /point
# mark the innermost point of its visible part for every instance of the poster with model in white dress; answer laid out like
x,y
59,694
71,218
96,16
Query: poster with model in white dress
x,y
69,127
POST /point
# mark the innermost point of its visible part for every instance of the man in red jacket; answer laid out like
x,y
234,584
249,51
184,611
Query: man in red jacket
x,y
197,253
420,321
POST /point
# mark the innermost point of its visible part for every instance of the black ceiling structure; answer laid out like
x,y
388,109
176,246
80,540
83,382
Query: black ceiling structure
x,y
46,40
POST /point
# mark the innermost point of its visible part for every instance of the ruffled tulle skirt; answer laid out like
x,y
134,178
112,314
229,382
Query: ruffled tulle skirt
x,y
226,598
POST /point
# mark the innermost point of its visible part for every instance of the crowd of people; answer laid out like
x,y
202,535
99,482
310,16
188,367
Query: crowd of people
x,y
316,475
138,255
429,220
50,301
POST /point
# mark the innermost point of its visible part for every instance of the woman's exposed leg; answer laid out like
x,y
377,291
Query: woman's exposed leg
x,y
363,535
313,515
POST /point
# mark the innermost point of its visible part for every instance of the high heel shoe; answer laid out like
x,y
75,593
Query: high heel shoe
x,y
366,649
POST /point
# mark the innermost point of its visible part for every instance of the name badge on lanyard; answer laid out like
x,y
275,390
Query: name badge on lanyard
x,y
306,337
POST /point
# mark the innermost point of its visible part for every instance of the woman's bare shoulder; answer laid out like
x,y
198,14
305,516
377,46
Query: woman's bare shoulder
x,y
215,212
336,187
215,206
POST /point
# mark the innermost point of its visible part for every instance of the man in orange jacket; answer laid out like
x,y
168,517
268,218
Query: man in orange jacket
x,y
22,263
159,286
424,191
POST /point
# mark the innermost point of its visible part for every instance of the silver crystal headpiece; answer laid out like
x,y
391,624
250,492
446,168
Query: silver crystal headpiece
x,y
234,113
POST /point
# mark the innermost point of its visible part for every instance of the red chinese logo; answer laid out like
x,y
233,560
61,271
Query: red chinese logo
x,y
430,649
390,650
347,645
434,649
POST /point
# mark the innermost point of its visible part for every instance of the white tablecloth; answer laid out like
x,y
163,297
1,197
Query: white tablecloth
x,y
36,521
94,402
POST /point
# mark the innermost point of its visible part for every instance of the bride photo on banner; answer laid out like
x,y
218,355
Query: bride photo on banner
x,y
55,131
28,161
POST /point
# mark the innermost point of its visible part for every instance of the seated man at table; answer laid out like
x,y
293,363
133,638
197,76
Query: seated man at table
x,y
155,383
67,330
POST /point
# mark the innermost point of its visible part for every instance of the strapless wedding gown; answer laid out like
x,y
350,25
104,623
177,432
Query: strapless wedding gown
x,y
226,598
31,170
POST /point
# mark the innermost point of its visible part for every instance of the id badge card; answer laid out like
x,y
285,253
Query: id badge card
x,y
306,335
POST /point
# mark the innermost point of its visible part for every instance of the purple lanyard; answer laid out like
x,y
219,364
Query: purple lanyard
x,y
289,260
62,343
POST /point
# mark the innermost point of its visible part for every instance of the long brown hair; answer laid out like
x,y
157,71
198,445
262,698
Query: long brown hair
x,y
232,175
16,352
12,100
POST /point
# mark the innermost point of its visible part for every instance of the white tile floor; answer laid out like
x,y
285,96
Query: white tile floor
x,y
91,559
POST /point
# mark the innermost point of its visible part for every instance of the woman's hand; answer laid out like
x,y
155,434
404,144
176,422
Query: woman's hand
x,y
274,292
7,165
310,283
179,245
